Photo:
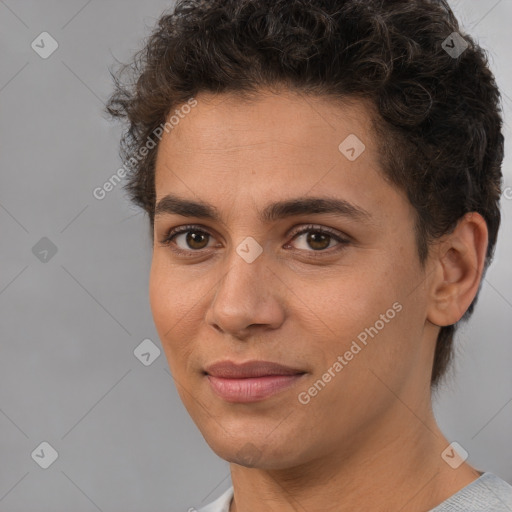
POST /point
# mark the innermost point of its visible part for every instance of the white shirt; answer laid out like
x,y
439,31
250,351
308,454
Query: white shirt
x,y
488,493
221,504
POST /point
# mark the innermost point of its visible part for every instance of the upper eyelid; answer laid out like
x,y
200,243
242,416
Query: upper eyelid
x,y
184,229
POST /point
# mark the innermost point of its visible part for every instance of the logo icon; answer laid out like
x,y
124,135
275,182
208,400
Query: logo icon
x,y
146,352
454,455
249,249
45,455
248,455
44,45
454,45
44,250
352,147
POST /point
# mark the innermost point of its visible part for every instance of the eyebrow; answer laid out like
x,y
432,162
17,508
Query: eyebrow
x,y
171,204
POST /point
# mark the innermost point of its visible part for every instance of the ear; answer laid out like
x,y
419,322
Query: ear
x,y
457,270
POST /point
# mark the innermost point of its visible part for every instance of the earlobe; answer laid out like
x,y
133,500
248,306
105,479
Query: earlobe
x,y
459,263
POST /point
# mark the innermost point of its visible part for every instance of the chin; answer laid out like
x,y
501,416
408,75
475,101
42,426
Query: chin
x,y
252,451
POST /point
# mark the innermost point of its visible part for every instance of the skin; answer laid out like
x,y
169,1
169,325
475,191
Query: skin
x,y
369,438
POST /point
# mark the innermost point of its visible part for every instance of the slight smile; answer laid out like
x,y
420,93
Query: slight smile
x,y
251,381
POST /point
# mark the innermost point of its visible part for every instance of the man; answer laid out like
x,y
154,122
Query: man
x,y
322,180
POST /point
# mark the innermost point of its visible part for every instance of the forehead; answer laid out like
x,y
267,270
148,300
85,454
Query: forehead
x,y
275,145
222,121
287,126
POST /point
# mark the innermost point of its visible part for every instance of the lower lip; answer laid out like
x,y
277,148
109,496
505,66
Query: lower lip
x,y
251,389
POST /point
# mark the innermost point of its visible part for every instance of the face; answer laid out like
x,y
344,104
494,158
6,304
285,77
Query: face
x,y
326,284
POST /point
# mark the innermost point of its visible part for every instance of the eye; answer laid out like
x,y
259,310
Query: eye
x,y
318,239
187,239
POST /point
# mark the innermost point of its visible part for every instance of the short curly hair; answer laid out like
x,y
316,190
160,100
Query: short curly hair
x,y
437,112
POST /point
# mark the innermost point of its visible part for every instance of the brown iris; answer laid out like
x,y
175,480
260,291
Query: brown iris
x,y
317,240
194,237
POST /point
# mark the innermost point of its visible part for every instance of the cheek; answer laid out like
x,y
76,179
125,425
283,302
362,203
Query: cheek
x,y
368,328
370,305
348,300
161,298
174,315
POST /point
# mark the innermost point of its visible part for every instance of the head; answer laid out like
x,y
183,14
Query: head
x,y
253,108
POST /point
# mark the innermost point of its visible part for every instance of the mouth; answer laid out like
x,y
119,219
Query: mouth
x,y
251,381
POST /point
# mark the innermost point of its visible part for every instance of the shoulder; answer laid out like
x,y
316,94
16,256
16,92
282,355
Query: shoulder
x,y
489,493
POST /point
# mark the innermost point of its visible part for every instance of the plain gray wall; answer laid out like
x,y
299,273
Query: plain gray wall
x,y
69,326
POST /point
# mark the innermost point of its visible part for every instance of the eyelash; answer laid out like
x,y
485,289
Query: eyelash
x,y
171,234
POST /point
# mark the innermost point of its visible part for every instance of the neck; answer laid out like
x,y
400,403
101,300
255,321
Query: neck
x,y
394,465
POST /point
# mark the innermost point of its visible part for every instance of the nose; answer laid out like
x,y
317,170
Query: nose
x,y
248,297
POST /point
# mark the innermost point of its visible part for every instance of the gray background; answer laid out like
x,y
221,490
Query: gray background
x,y
69,326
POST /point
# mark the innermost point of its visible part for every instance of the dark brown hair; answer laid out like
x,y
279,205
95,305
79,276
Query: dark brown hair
x,y
437,113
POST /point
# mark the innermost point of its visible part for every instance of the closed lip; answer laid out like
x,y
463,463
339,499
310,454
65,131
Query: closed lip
x,y
249,369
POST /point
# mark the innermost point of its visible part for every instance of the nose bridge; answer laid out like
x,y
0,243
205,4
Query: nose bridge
x,y
244,277
245,293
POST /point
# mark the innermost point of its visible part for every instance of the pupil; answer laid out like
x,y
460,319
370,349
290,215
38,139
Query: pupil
x,y
192,239
315,238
